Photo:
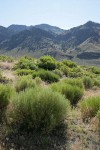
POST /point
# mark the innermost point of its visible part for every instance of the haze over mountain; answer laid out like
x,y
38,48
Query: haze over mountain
x,y
81,44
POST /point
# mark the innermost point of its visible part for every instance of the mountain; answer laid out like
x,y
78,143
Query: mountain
x,y
50,28
5,33
32,39
81,44
18,28
46,27
77,35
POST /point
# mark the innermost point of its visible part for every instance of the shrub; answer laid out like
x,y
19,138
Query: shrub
x,y
58,72
5,94
76,72
89,107
26,63
88,82
78,82
73,93
22,72
97,82
38,109
69,63
47,63
47,76
65,70
23,83
96,70
38,81
3,79
33,66
6,58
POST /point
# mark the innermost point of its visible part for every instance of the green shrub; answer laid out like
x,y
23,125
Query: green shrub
x,y
97,82
3,80
76,81
69,63
88,82
38,109
89,107
47,63
33,66
72,92
58,72
38,81
5,94
47,76
65,70
96,70
6,58
76,72
23,83
22,72
26,63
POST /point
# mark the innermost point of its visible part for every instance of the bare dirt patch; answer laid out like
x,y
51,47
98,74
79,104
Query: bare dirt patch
x,y
9,74
90,93
6,65
6,68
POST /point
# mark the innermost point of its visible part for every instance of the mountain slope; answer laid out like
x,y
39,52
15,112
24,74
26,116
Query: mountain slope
x,y
78,35
18,28
81,44
27,38
5,33
46,27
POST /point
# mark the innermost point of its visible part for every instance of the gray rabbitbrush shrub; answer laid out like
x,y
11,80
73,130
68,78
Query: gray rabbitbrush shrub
x,y
90,106
5,94
72,92
23,83
38,109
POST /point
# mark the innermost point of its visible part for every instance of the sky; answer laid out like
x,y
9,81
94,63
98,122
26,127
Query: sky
x,y
62,13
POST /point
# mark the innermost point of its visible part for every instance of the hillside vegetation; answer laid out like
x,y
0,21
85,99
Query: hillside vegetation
x,y
45,104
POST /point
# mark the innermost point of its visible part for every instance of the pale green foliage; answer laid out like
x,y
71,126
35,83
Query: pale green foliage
x,y
23,83
38,109
72,92
90,106
5,94
88,82
47,76
69,63
47,63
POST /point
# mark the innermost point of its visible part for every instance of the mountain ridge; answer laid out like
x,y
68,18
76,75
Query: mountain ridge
x,y
51,40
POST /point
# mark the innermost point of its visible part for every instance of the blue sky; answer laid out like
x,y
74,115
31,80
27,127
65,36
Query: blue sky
x,y
62,13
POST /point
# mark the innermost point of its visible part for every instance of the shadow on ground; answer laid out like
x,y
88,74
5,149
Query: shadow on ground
x,y
57,140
